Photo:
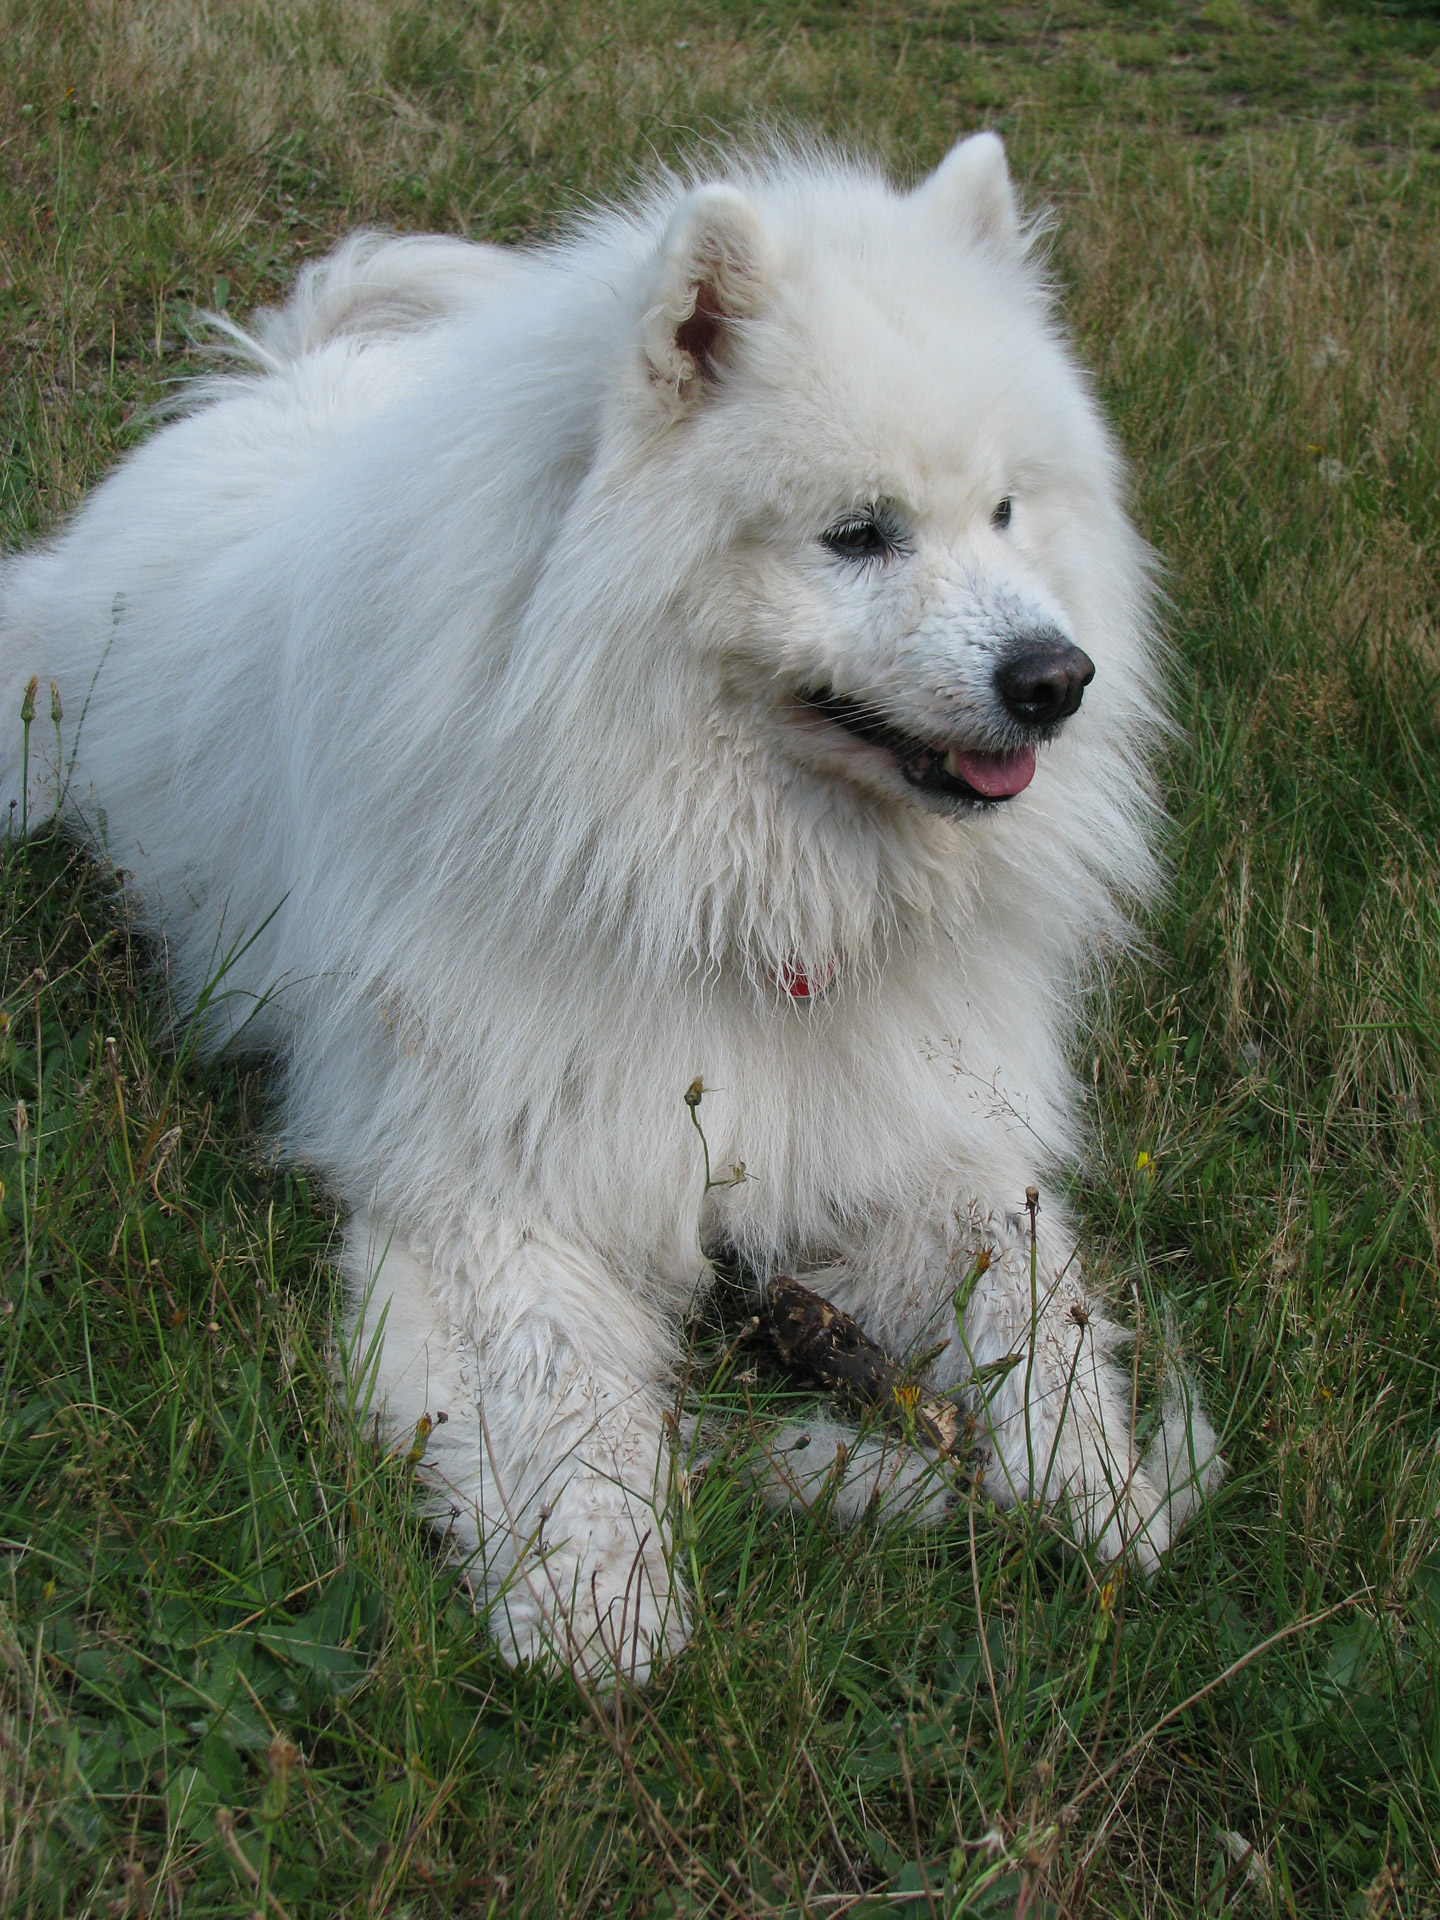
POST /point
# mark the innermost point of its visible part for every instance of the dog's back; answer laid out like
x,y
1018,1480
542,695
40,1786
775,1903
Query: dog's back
x,y
178,622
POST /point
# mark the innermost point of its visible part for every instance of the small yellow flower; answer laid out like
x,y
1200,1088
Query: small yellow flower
x,y
423,1427
908,1397
1107,1596
1142,1160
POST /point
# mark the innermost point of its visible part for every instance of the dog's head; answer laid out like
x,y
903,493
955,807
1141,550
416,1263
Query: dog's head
x,y
908,557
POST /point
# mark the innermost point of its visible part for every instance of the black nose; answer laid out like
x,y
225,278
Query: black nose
x,y
1043,679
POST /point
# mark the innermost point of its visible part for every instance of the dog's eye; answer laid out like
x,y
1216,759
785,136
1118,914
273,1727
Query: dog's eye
x,y
870,535
1000,518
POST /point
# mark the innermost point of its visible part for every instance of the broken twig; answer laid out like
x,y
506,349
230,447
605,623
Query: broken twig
x,y
813,1337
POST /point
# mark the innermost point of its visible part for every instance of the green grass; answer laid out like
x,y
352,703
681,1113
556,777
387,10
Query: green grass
x,y
236,1676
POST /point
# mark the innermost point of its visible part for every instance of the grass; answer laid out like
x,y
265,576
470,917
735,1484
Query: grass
x,y
236,1677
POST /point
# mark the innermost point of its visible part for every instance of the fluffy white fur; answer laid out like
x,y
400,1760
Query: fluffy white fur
x,y
438,672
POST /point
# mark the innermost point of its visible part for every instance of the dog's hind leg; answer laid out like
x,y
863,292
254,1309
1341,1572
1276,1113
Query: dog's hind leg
x,y
544,1386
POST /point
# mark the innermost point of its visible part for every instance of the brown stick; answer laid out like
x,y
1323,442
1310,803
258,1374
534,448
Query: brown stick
x,y
813,1337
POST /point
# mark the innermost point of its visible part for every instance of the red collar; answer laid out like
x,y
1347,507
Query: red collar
x,y
791,978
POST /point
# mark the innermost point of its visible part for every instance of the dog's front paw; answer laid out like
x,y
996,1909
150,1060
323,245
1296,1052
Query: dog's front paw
x,y
1140,1509
1115,1510
1109,1507
822,1465
594,1591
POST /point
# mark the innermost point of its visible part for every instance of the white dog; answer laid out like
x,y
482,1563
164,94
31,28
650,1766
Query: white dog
x,y
542,678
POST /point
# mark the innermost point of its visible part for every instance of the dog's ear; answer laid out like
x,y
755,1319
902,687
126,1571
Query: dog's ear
x,y
715,268
970,192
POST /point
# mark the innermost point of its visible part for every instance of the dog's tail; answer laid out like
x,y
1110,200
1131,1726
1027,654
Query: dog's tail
x,y
371,286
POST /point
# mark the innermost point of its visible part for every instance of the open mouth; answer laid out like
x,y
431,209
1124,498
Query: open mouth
x,y
956,773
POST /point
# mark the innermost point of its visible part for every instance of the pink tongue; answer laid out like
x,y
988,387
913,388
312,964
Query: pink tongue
x,y
997,775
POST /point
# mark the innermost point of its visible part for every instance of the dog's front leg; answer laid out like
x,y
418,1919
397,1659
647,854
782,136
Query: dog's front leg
x,y
543,1384
1038,1350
